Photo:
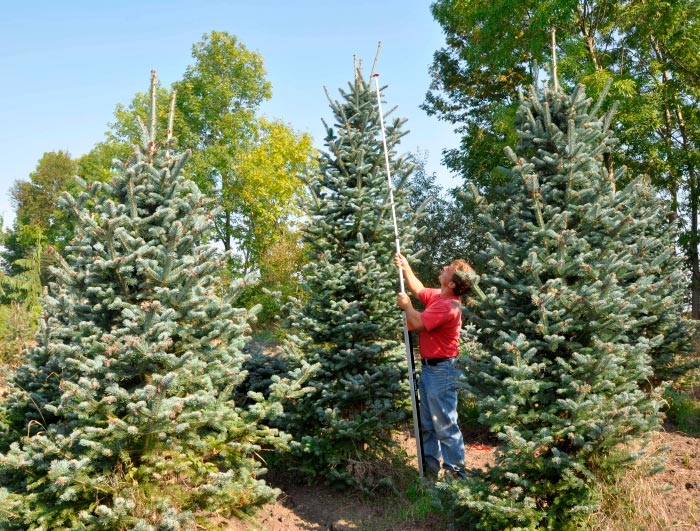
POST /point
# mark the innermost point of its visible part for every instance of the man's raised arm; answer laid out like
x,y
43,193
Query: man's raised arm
x,y
412,283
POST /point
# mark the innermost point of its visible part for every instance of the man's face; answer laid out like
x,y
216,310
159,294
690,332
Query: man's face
x,y
446,275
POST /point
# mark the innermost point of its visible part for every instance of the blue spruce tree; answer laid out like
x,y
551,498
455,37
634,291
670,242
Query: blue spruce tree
x,y
582,289
348,325
122,416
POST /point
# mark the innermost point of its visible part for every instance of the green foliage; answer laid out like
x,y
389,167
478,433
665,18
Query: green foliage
x,y
248,164
683,411
125,415
17,326
468,403
36,200
262,368
468,411
263,198
38,220
20,309
277,279
98,163
448,230
415,503
648,49
581,287
348,325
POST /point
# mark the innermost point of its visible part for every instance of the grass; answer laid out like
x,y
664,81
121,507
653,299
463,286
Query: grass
x,y
421,503
634,503
626,504
636,500
417,504
683,411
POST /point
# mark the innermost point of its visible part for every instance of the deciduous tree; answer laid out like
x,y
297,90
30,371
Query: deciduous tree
x,y
249,164
448,225
649,48
38,220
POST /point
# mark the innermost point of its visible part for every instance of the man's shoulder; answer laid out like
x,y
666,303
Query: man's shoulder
x,y
433,297
430,291
428,294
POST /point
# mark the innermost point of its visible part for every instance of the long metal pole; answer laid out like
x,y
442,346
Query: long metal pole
x,y
407,340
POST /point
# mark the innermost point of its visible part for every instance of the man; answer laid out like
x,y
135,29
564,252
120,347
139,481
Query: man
x,y
438,329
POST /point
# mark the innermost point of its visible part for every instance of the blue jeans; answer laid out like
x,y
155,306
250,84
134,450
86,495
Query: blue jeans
x,y
442,437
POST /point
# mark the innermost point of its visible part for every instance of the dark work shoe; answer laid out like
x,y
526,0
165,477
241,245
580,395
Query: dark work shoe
x,y
451,475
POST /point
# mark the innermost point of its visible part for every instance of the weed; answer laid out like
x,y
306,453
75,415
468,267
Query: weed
x,y
417,503
683,412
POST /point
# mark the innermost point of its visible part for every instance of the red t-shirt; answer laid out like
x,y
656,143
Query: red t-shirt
x,y
442,319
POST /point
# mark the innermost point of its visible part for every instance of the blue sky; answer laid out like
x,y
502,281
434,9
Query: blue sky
x,y
64,65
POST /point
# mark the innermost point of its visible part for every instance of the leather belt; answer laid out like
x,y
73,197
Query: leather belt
x,y
433,361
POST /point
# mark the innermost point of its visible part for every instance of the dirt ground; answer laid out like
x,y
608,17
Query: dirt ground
x,y
673,496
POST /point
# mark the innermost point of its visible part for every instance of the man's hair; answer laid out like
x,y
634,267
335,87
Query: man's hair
x,y
462,277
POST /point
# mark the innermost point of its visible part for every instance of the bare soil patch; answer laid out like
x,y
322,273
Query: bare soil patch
x,y
669,500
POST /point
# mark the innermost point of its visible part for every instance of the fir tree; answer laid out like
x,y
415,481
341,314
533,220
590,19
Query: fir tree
x,y
349,325
122,416
581,287
20,294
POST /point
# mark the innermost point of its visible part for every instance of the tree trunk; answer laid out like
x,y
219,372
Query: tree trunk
x,y
693,246
693,212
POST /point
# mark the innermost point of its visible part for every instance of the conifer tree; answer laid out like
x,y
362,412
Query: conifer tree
x,y
349,325
122,416
582,284
20,308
